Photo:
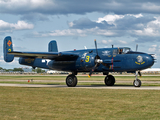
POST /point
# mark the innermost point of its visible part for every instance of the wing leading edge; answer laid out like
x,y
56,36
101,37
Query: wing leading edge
x,y
59,56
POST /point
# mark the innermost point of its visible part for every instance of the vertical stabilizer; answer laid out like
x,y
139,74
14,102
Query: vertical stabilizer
x,y
7,47
52,46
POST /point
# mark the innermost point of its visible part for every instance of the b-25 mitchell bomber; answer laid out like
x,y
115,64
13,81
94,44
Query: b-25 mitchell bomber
x,y
88,60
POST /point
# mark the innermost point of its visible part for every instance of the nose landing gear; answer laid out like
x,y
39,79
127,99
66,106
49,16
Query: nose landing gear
x,y
137,82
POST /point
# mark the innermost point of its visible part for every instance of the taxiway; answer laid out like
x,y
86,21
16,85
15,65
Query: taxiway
x,y
82,86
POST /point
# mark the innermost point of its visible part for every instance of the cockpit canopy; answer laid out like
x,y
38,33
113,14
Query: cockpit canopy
x,y
123,50
126,50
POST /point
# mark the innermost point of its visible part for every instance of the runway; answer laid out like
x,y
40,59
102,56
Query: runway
x,y
82,86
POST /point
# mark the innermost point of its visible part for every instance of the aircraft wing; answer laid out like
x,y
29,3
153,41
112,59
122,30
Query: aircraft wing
x,y
60,56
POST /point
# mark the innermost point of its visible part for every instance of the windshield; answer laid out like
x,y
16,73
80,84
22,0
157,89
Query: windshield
x,y
126,50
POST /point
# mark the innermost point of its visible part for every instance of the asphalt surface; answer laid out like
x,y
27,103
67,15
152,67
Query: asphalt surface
x,y
63,81
82,86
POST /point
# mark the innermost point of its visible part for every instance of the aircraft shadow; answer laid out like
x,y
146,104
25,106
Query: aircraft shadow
x,y
94,85
102,85
78,86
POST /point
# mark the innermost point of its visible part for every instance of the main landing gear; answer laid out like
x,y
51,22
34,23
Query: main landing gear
x,y
71,80
109,80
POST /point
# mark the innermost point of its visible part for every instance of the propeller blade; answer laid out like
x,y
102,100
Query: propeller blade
x,y
93,69
97,61
96,46
136,47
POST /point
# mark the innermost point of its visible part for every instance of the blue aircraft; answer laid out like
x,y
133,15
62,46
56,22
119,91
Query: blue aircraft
x,y
88,60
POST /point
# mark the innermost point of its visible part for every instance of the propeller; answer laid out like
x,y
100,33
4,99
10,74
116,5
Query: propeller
x,y
97,61
96,46
93,69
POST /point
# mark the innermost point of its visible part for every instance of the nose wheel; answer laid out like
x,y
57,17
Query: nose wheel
x,y
137,82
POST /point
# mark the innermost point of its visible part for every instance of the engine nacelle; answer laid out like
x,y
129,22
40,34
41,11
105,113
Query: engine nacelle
x,y
34,62
86,62
26,61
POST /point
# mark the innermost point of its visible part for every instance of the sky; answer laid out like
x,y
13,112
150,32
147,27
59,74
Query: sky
x,y
32,24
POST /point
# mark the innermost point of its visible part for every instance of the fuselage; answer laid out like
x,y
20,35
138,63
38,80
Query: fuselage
x,y
114,60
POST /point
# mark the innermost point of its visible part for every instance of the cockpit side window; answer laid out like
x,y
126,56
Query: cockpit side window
x,y
115,52
120,51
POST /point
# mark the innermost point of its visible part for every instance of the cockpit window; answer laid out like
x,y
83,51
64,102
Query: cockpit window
x,y
115,52
121,51
124,50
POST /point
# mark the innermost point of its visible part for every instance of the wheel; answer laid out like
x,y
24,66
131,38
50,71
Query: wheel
x,y
109,80
137,83
71,80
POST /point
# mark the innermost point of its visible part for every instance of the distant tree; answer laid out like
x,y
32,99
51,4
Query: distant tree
x,y
18,70
33,70
8,70
38,70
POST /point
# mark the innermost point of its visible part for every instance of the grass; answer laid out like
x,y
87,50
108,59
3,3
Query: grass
x,y
32,77
60,80
18,103
71,103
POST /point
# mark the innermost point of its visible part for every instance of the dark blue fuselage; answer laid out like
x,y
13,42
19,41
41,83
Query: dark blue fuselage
x,y
113,59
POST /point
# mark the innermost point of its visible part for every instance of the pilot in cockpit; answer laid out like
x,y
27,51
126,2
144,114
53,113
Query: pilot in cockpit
x,y
120,51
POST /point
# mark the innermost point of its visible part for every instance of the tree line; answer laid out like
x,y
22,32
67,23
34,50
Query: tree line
x,y
38,70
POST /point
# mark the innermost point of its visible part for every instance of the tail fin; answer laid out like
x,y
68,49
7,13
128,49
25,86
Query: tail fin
x,y
7,47
52,46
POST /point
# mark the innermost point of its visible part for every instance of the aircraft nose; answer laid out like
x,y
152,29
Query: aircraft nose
x,y
150,60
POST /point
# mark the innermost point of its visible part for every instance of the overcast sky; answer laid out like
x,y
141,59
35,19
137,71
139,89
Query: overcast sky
x,y
76,23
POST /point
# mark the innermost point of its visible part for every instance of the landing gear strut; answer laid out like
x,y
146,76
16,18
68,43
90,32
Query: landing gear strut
x,y
137,82
109,80
71,80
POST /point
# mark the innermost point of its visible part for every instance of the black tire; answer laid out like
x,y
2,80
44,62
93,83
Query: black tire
x,y
109,80
137,83
71,80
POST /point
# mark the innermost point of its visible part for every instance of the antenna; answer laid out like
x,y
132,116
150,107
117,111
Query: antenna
x,y
136,47
85,47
